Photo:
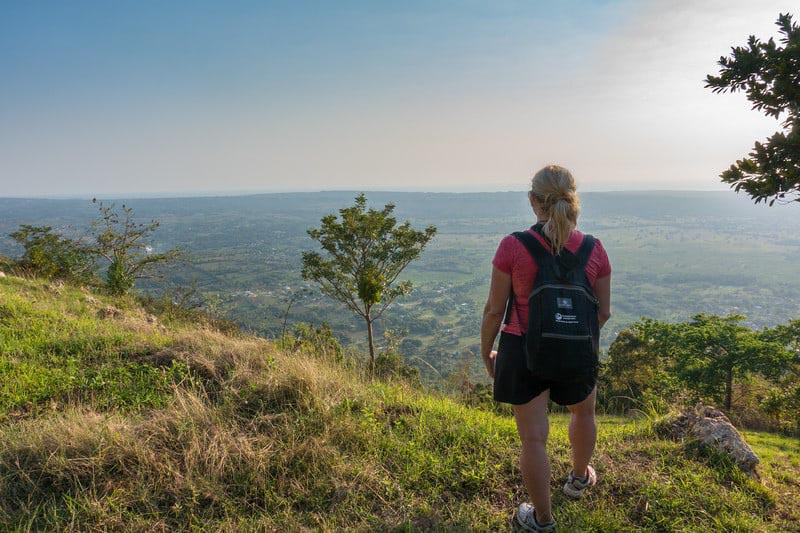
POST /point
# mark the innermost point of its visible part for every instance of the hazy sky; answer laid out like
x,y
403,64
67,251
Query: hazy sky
x,y
164,96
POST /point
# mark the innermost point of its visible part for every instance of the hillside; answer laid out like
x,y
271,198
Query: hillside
x,y
111,418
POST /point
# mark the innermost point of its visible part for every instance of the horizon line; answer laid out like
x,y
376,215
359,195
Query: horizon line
x,y
246,193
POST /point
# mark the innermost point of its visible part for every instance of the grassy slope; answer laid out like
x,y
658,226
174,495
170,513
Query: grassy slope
x,y
123,423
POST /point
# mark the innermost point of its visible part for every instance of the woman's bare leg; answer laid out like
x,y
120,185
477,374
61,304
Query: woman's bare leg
x,y
582,433
533,427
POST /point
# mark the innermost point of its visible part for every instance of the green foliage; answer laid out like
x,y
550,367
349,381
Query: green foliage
x,y
118,240
770,76
118,279
366,252
709,358
315,340
50,255
638,371
248,249
787,335
126,246
782,403
390,364
711,353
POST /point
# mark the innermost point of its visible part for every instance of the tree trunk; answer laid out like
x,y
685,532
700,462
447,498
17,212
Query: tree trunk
x,y
728,388
371,345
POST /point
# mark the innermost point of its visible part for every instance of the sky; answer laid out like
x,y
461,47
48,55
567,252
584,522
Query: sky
x,y
197,97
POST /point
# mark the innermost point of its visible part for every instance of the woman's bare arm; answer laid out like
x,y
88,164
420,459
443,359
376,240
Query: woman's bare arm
x,y
602,290
499,292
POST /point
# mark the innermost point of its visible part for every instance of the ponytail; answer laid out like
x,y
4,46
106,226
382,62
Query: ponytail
x,y
554,187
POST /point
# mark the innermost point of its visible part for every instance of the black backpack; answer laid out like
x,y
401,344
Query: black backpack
x,y
562,342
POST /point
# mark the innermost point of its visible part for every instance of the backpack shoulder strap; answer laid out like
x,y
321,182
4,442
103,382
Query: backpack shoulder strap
x,y
539,253
581,255
585,250
539,229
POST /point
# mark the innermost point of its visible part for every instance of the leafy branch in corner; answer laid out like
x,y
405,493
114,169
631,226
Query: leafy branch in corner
x,y
770,77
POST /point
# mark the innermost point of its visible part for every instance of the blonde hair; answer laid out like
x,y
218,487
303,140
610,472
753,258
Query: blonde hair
x,y
554,189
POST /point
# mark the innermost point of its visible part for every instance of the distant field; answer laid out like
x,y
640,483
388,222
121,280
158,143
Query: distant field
x,y
673,254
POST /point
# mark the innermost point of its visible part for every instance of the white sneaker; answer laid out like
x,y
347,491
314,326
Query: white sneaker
x,y
526,517
575,486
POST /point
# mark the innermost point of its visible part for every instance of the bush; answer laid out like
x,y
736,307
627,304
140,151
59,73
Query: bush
x,y
315,340
125,245
637,373
50,255
389,364
783,406
6,264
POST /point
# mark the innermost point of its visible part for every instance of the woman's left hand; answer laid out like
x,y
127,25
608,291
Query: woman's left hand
x,y
491,362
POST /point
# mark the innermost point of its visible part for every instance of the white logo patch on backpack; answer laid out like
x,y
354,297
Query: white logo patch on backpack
x,y
564,303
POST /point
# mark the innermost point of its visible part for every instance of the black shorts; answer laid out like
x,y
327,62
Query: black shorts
x,y
514,383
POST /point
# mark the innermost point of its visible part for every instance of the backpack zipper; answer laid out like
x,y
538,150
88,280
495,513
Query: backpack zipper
x,y
566,337
538,289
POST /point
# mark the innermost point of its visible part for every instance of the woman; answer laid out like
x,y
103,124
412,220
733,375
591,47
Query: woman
x,y
555,204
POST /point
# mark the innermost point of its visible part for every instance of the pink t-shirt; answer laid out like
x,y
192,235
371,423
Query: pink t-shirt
x,y
513,258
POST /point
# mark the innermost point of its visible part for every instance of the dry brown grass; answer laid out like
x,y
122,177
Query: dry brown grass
x,y
254,371
238,437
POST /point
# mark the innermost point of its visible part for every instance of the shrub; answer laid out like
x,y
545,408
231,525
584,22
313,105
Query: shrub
x,y
315,340
125,245
389,364
51,255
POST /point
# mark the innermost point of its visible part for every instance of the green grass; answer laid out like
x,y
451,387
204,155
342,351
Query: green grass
x,y
123,424
55,349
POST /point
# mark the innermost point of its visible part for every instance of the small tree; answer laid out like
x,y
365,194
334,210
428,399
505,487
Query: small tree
x,y
51,255
125,244
770,76
712,352
366,252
